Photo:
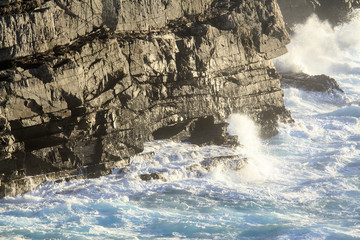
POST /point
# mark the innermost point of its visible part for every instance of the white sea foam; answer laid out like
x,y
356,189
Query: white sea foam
x,y
318,48
246,131
301,184
261,166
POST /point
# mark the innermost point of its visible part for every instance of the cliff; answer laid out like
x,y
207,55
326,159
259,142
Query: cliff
x,y
85,83
297,11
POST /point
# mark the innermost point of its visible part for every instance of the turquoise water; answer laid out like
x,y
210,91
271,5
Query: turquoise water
x,y
303,183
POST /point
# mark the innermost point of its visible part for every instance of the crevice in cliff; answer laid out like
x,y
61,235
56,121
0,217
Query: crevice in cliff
x,y
36,60
21,6
134,86
170,130
67,11
71,100
205,131
180,27
62,63
226,4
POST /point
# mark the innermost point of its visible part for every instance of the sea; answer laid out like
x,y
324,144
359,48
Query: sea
x,y
303,183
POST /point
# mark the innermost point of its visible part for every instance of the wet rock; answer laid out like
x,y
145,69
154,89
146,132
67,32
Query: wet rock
x,y
151,176
316,83
235,163
228,162
85,83
232,162
7,140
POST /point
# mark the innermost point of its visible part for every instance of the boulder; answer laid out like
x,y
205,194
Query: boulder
x,y
315,83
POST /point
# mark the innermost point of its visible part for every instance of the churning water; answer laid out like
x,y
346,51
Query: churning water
x,y
302,184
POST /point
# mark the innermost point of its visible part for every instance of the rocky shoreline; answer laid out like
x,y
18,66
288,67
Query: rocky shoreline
x,y
313,83
85,83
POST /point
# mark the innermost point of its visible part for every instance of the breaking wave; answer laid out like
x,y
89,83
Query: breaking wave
x,y
301,184
318,48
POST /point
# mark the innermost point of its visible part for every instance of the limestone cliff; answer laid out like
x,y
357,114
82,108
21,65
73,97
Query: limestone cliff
x,y
85,83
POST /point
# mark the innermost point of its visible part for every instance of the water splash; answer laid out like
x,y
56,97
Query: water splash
x,y
302,184
318,48
246,131
261,166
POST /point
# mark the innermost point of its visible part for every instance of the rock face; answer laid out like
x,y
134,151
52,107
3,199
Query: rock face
x,y
85,83
297,11
316,83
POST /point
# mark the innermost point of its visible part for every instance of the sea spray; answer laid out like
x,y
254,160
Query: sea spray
x,y
318,48
312,191
315,196
246,131
261,166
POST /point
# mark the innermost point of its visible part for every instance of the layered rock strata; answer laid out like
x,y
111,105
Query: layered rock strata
x,y
85,83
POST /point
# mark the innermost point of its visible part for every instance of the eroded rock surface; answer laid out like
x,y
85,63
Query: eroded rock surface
x,y
314,83
85,83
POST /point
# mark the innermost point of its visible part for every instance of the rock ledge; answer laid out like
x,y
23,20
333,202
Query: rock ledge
x,y
85,83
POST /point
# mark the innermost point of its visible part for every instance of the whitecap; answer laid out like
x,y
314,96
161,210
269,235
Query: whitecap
x,y
318,48
349,111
